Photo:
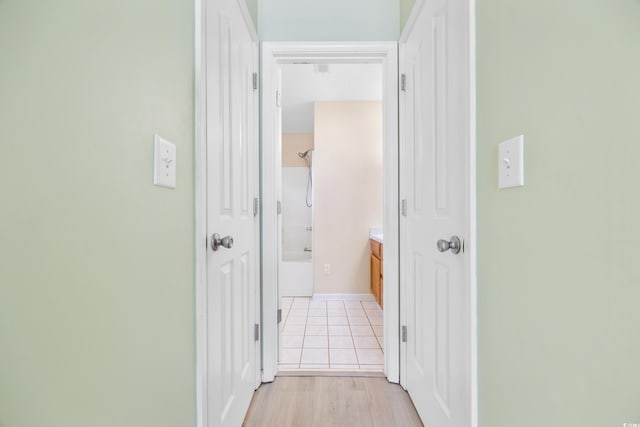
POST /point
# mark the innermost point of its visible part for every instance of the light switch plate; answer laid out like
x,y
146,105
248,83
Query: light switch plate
x,y
511,163
164,163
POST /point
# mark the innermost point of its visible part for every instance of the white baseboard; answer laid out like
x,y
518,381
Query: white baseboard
x,y
344,297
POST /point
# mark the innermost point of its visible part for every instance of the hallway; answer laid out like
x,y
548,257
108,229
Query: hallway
x,y
115,310
331,401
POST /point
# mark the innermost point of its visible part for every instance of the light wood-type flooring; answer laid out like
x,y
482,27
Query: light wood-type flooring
x,y
331,402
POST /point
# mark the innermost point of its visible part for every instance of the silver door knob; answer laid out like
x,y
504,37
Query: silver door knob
x,y
454,245
217,241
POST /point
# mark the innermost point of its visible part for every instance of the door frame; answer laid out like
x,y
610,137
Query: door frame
x,y
200,236
470,243
273,54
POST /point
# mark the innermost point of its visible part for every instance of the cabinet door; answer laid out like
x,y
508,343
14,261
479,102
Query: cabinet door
x,y
376,248
375,277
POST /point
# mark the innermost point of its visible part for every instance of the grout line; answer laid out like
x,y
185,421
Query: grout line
x,y
353,341
326,319
327,336
328,349
373,330
304,335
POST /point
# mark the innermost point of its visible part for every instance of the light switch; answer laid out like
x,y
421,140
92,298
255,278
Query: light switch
x,y
164,163
511,163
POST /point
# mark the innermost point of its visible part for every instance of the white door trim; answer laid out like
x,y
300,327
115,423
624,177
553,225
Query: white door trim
x,y
273,54
200,252
201,238
473,227
471,242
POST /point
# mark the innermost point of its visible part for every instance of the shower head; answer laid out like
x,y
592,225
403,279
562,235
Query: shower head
x,y
305,154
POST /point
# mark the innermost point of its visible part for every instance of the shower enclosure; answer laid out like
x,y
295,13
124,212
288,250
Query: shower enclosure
x,y
296,264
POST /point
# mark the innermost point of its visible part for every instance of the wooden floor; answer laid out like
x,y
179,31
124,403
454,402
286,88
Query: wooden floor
x,y
331,401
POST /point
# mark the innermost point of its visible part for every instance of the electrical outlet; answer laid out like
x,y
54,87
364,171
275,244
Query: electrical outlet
x,y
327,269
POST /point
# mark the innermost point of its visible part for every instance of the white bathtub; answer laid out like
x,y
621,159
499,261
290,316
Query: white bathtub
x,y
296,274
288,256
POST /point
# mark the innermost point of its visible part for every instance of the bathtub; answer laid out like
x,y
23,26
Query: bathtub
x,y
296,274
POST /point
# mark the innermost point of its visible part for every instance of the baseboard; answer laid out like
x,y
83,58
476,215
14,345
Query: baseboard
x,y
345,297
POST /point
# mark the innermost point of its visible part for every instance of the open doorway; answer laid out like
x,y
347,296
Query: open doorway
x,y
315,166
331,223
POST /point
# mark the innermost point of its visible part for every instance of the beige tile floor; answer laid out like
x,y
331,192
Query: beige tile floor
x,y
334,334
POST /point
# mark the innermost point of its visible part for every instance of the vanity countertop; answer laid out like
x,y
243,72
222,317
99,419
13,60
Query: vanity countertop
x,y
375,233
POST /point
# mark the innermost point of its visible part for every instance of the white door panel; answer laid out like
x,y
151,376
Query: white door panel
x,y
434,147
232,285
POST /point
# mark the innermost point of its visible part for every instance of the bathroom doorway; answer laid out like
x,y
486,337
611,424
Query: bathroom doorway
x,y
331,177
331,193
330,171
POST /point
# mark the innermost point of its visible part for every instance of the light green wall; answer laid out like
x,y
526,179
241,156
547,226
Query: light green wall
x,y
96,263
252,5
405,11
328,20
559,283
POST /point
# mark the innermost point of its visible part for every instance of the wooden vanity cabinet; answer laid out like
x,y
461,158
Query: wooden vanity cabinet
x,y
377,274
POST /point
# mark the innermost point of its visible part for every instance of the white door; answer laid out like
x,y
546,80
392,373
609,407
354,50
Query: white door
x,y
232,174
435,137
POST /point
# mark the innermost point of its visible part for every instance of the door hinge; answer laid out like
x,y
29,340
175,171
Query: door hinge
x,y
255,81
256,332
403,82
256,206
404,334
279,315
278,98
279,207
403,207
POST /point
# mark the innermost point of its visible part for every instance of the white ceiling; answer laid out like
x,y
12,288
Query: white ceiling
x,y
302,85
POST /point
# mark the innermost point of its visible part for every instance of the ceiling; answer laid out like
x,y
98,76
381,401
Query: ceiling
x,y
302,85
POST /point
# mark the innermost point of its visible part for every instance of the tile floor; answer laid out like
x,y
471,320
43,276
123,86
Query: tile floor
x,y
335,334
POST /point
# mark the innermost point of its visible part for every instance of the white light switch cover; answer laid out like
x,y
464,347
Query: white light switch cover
x,y
164,163
511,163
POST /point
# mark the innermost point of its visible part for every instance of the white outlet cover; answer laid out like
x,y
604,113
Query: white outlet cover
x,y
511,163
164,163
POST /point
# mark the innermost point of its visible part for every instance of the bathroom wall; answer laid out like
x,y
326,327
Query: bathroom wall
x,y
302,85
348,192
292,144
296,215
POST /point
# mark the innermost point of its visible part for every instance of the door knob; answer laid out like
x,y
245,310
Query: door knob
x,y
454,245
217,241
